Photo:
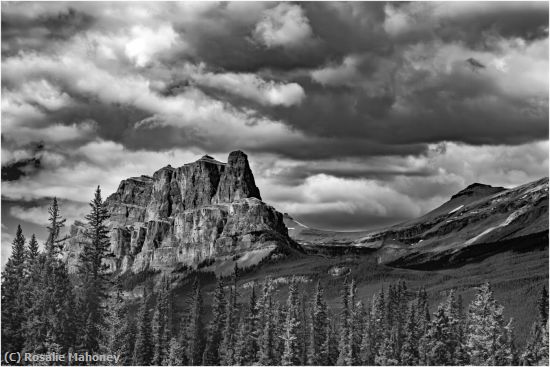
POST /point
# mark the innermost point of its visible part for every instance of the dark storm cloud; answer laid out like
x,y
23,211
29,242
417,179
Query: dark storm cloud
x,y
21,32
478,24
353,114
14,171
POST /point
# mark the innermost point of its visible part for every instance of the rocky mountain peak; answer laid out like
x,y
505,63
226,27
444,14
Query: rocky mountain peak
x,y
204,210
478,189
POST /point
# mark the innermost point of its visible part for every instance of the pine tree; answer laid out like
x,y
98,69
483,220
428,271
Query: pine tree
x,y
159,328
143,349
127,340
439,345
385,355
182,343
423,322
195,330
536,349
409,351
251,331
54,244
12,296
211,352
266,353
317,355
486,339
175,353
304,330
51,317
378,321
94,281
227,346
32,255
453,311
291,354
241,342
346,339
358,330
279,341
331,343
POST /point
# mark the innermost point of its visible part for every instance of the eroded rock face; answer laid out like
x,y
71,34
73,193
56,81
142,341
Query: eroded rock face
x,y
182,216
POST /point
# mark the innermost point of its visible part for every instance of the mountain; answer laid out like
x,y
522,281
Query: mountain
x,y
477,221
192,216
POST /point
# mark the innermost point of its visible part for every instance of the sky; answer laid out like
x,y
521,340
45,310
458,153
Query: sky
x,y
353,115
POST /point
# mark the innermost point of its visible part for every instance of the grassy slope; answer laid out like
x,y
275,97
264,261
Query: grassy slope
x,y
516,278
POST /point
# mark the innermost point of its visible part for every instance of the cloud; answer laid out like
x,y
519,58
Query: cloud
x,y
342,74
7,240
285,25
145,43
477,24
39,215
51,134
249,86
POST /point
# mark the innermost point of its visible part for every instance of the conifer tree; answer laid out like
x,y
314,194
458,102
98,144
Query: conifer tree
x,y
239,357
51,317
127,336
94,281
32,255
195,330
291,354
175,353
180,347
304,329
211,352
13,296
143,349
317,355
359,325
159,327
423,322
331,343
266,353
279,341
536,348
486,339
249,352
409,351
453,311
438,339
54,243
385,355
346,338
378,321
230,328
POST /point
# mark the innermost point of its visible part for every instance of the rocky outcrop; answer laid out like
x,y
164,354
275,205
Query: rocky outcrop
x,y
205,210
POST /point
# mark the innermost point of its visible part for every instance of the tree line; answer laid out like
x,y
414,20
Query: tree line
x,y
44,309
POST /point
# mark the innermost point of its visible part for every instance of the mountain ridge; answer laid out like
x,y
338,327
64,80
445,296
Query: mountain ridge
x,y
468,218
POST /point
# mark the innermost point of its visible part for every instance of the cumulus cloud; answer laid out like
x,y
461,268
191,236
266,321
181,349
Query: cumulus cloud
x,y
249,86
342,74
7,240
145,43
285,25
39,214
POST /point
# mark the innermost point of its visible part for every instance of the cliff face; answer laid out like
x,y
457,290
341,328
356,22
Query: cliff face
x,y
205,210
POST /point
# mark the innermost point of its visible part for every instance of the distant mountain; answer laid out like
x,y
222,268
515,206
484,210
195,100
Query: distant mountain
x,y
192,216
477,221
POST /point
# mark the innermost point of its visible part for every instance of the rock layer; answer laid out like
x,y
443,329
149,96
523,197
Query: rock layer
x,y
205,210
